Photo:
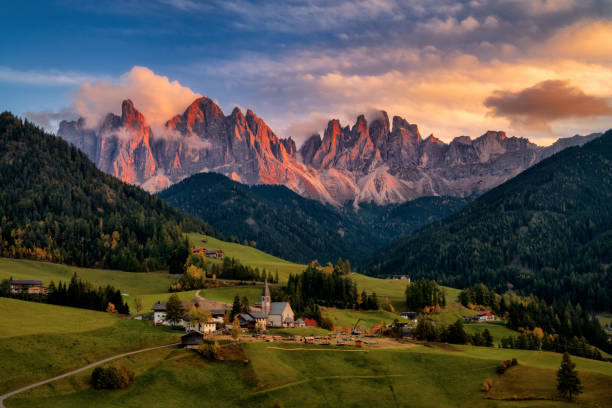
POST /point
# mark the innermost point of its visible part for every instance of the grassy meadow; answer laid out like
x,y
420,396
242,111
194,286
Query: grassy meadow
x,y
38,341
319,376
249,256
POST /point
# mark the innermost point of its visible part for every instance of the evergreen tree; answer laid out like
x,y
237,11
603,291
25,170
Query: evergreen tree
x,y
488,339
568,383
236,308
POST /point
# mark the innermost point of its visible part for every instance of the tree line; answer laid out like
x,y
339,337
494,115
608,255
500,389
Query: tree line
x,y
324,286
454,333
76,293
556,327
423,293
201,273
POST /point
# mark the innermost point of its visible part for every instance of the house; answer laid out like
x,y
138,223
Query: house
x,y
218,315
300,323
246,321
192,339
209,327
214,253
279,314
28,286
198,250
400,277
486,315
159,314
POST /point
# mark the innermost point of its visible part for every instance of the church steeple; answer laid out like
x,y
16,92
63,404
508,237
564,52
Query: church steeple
x,y
265,299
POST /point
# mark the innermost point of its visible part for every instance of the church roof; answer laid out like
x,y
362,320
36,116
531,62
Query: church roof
x,y
276,308
266,290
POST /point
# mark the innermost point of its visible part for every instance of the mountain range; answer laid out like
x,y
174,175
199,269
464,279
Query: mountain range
x,y
381,161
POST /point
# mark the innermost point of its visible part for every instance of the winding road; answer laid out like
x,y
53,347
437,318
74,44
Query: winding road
x,y
78,370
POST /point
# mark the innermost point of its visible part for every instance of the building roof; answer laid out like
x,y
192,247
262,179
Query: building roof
x,y
266,290
277,308
257,315
299,321
160,306
218,312
245,316
288,319
26,282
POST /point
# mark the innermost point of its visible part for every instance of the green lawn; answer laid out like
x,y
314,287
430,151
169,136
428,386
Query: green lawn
x,y
38,341
299,375
253,293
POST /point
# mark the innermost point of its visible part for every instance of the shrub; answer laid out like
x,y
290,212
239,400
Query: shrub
x,y
327,323
514,361
113,377
210,351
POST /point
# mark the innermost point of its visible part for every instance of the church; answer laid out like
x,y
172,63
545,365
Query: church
x,y
279,314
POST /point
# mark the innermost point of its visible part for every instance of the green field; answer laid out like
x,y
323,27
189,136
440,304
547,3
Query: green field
x,y
347,318
249,256
298,375
38,341
129,282
497,330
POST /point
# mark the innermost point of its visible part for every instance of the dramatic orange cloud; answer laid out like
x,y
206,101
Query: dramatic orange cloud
x,y
535,107
155,96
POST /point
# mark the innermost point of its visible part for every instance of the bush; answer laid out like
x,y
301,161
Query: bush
x,y
504,365
486,385
114,377
210,351
327,323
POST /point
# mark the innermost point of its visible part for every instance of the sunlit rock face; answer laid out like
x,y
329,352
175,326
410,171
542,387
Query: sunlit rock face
x,y
382,161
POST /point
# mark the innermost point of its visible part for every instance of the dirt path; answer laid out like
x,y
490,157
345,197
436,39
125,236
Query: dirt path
x,y
78,370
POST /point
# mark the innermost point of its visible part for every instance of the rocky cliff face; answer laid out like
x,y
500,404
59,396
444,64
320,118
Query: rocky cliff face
x,y
366,162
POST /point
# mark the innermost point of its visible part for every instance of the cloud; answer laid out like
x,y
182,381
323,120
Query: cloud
x,y
49,77
155,96
49,119
535,107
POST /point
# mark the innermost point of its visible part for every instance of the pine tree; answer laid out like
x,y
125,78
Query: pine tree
x,y
236,308
488,339
568,383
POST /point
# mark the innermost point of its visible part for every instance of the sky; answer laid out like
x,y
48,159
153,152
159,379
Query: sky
x,y
535,68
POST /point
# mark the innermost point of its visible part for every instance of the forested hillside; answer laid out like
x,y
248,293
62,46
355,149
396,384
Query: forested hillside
x,y
56,205
292,227
548,231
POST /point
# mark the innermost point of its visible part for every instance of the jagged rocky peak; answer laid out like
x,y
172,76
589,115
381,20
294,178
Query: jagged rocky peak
x,y
370,160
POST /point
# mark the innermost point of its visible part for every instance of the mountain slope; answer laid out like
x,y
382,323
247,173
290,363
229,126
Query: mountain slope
x,y
292,227
377,161
56,205
547,231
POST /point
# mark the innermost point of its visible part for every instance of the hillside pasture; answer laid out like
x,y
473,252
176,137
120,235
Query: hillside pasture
x,y
38,341
318,376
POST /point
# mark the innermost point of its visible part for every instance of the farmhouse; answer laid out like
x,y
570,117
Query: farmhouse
x,y
159,314
214,253
198,250
28,286
486,315
400,277
409,316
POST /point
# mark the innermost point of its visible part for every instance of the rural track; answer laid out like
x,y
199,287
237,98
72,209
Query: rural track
x,y
78,370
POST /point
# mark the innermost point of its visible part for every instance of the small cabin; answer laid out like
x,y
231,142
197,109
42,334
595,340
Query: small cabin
x,y
192,339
